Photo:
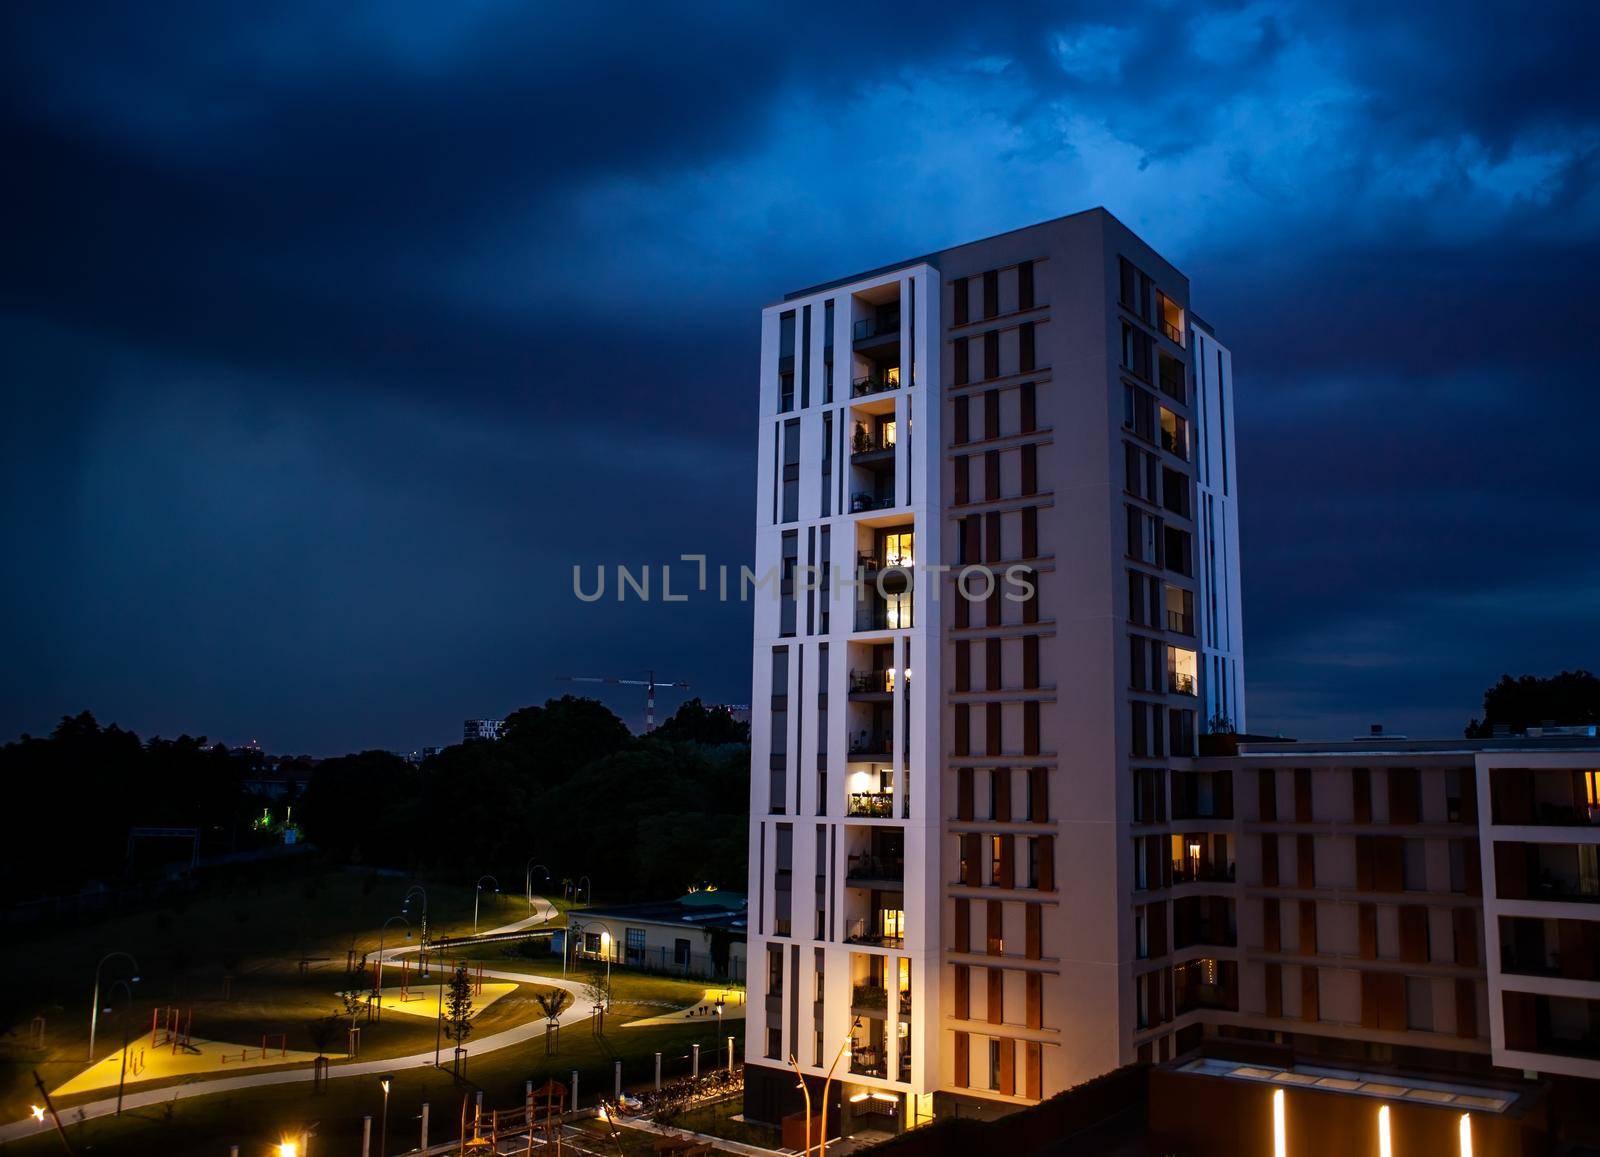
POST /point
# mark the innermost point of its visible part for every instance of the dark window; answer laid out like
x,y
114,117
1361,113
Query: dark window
x,y
958,301
1025,285
961,360
991,293
991,354
1025,353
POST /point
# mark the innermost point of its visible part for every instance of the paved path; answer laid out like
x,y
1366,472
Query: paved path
x,y
518,1034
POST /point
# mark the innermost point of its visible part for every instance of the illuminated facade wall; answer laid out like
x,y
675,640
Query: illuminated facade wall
x,y
946,834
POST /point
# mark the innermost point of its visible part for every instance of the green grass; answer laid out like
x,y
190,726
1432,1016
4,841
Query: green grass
x,y
260,927
254,1121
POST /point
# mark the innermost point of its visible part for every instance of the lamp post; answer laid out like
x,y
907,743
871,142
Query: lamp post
x,y
477,892
583,891
527,873
849,1039
94,1001
127,1017
405,905
383,1126
381,931
605,935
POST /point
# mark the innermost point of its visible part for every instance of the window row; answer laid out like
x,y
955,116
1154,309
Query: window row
x,y
996,354
992,293
995,413
1009,794
996,475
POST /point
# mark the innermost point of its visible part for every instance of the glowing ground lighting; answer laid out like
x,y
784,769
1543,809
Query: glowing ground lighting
x,y
1384,1148
1280,1140
1466,1135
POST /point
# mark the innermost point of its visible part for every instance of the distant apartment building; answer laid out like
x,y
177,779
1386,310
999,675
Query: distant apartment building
x,y
490,729
951,822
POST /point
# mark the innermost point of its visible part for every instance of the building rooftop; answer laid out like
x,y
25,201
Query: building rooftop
x,y
931,258
695,909
1386,1086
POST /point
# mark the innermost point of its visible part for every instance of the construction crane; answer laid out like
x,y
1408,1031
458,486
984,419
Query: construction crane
x,y
649,683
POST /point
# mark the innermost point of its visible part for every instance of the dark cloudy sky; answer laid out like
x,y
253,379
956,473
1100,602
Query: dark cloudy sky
x,y
334,334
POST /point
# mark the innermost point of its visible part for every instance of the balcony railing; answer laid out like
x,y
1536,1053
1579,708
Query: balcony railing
x,y
868,1062
1189,872
871,682
858,934
872,744
881,618
880,325
869,998
1180,684
862,442
1173,332
864,501
1180,622
870,384
868,867
872,805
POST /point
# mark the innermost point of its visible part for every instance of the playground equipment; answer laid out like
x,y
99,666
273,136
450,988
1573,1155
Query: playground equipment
x,y
272,1043
172,1026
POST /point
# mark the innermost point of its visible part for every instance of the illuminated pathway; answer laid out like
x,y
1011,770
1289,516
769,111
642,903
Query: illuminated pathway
x,y
518,1034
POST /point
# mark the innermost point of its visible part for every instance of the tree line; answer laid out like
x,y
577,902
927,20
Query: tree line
x,y
568,786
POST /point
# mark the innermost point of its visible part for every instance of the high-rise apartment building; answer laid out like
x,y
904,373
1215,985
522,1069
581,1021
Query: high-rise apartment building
x,y
998,502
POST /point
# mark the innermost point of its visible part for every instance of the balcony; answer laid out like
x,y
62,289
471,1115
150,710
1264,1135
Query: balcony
x,y
884,616
871,685
878,383
869,1000
874,871
871,747
1179,683
1545,797
868,1062
1206,984
1202,872
860,933
870,805
884,323
863,501
867,446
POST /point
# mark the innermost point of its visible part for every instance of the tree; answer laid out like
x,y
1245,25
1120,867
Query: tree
x,y
1572,697
356,992
694,722
458,1009
552,1004
597,991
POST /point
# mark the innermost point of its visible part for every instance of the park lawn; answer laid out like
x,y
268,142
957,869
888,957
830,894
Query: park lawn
x,y
259,926
256,1120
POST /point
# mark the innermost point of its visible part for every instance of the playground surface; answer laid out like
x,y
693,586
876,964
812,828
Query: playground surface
x,y
732,1009
424,1000
147,1062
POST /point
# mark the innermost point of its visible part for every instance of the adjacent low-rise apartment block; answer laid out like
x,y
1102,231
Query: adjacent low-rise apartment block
x,y
997,498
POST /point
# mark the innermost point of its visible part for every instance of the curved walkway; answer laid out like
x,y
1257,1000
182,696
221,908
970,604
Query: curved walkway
x,y
517,1034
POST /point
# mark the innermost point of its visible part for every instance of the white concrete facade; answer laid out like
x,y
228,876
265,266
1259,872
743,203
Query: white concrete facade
x,y
1011,443
1500,840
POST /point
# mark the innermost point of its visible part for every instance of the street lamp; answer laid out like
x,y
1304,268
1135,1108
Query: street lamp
x,y
405,905
127,1018
583,888
383,1127
605,935
477,892
381,931
527,873
94,1001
